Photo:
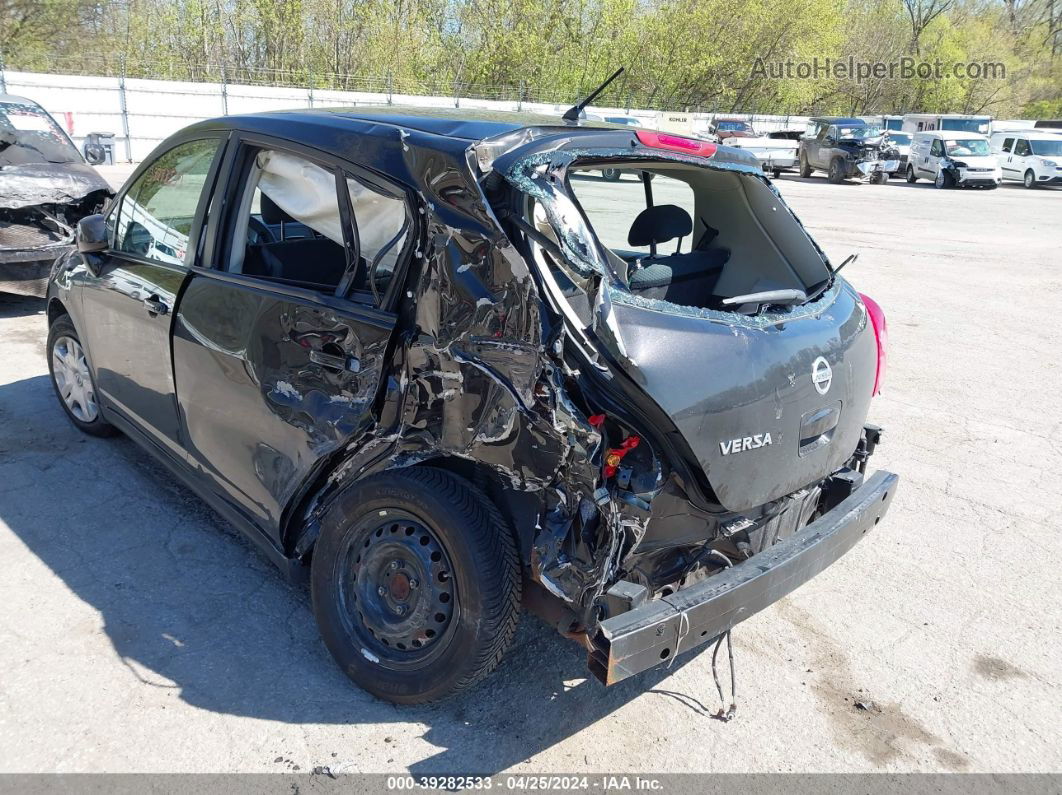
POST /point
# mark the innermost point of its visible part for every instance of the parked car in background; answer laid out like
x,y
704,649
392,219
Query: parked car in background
x,y
613,174
1031,157
399,352
776,151
901,142
847,147
46,187
721,129
953,159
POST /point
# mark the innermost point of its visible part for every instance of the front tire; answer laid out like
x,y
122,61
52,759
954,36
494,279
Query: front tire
x,y
911,178
72,379
943,180
611,174
836,172
1029,180
415,584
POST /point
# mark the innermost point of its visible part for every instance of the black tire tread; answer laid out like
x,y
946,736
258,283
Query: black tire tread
x,y
493,550
498,545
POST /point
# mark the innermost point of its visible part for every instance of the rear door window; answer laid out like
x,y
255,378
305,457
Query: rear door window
x,y
288,226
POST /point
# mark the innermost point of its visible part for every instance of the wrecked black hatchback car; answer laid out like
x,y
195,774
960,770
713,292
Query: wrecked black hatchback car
x,y
438,365
45,189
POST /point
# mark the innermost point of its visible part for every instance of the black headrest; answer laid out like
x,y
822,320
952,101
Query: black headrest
x,y
659,224
271,212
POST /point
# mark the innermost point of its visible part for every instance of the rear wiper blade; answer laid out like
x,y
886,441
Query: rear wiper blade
x,y
769,297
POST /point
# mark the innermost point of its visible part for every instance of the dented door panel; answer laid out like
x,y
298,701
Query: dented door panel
x,y
269,384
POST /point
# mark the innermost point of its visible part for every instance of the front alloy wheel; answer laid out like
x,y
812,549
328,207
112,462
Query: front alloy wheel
x,y
1029,180
72,379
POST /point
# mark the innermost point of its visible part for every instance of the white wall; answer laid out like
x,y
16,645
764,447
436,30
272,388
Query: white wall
x,y
155,109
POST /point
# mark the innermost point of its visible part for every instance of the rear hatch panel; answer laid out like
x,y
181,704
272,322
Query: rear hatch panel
x,y
767,403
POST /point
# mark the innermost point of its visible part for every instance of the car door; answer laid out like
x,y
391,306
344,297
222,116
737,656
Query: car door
x,y
936,152
1006,159
1020,161
154,224
281,338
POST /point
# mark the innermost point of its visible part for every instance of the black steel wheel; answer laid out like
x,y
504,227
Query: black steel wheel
x,y
397,588
415,584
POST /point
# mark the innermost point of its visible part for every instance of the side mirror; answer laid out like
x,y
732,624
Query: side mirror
x,y
92,234
829,140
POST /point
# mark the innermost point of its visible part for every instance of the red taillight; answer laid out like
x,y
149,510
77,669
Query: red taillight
x,y
881,333
676,143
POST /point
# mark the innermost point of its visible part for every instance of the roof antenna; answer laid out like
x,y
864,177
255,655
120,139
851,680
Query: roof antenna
x,y
572,114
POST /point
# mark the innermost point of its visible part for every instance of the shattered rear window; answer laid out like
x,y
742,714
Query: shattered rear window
x,y
672,236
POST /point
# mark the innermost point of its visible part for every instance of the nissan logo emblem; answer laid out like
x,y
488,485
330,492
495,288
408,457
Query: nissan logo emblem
x,y
821,375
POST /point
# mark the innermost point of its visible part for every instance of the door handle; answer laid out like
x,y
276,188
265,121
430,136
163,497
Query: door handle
x,y
332,361
155,305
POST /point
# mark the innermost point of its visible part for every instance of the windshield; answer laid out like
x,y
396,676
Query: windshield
x,y
903,139
1047,147
969,147
859,133
966,125
29,135
628,120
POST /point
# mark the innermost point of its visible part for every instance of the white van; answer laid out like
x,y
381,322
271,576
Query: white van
x,y
953,159
1032,157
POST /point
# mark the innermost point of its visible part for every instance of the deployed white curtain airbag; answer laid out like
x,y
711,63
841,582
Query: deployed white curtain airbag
x,y
303,190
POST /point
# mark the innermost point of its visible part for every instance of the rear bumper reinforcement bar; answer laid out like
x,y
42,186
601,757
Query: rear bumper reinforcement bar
x,y
637,640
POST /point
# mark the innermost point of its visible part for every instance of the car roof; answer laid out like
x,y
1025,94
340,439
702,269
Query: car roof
x,y
12,98
466,125
950,134
847,120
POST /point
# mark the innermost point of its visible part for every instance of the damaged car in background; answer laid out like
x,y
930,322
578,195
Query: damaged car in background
x,y
46,187
422,364
848,149
776,151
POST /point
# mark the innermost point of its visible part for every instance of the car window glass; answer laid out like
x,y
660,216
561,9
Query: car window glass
x,y
937,149
1007,143
383,225
156,213
1021,148
289,223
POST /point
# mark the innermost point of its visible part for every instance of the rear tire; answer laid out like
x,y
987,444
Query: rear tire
x,y
836,172
611,174
776,173
1029,179
415,584
72,379
805,167
911,178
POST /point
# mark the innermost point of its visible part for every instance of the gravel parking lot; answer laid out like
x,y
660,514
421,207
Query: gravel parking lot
x,y
139,633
